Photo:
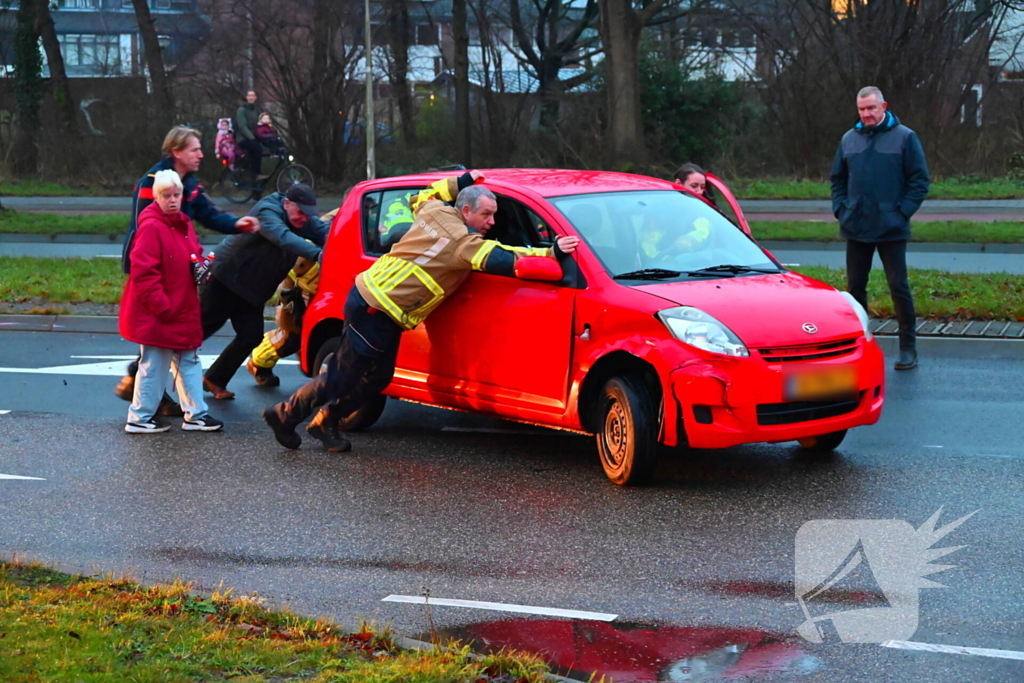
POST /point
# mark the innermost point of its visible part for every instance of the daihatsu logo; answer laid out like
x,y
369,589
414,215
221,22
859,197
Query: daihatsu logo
x,y
810,328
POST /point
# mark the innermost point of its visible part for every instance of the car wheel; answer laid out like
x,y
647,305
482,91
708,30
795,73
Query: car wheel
x,y
627,440
825,443
365,416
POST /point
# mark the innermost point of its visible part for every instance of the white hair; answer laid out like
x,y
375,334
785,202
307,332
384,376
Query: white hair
x,y
470,196
871,91
165,179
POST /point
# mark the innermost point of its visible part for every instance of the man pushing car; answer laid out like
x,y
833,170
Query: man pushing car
x,y
401,289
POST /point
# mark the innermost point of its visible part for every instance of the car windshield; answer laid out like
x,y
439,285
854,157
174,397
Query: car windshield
x,y
662,235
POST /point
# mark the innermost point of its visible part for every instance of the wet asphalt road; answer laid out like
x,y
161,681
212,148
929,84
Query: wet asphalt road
x,y
438,501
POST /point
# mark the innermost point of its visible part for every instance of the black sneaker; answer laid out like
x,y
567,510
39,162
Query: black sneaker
x,y
284,434
169,407
265,377
148,427
327,433
205,423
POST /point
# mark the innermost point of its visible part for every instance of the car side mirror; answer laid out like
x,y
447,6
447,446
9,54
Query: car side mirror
x,y
540,268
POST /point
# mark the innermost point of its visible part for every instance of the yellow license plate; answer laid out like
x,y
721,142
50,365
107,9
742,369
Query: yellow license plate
x,y
818,384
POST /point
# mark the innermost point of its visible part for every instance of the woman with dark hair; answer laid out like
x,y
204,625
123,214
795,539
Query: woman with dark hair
x,y
693,178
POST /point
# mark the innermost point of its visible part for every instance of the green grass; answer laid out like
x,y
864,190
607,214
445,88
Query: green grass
x,y
22,223
58,627
937,294
964,232
950,188
34,187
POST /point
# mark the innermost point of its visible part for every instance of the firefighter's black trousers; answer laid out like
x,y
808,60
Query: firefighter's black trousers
x,y
359,370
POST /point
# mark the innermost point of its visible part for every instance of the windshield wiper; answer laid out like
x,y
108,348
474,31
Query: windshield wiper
x,y
729,268
648,274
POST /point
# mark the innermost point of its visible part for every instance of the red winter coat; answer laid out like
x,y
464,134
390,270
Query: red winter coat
x,y
160,304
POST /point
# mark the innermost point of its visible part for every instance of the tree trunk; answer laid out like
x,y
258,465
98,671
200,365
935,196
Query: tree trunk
x,y
620,34
66,114
400,37
460,36
155,63
28,91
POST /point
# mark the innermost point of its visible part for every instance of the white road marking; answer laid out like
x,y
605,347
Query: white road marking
x,y
953,649
927,446
4,412
503,607
112,366
15,476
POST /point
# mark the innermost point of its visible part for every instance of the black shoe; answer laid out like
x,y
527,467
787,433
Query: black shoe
x,y
907,360
284,434
169,407
265,377
125,389
327,433
206,423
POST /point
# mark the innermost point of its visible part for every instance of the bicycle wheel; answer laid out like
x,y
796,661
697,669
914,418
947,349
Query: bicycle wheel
x,y
291,174
236,185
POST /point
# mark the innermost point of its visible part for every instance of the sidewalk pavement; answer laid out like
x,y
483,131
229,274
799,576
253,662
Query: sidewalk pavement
x,y
955,258
993,340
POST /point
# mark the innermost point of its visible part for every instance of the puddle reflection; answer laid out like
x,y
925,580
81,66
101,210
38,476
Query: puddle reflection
x,y
642,652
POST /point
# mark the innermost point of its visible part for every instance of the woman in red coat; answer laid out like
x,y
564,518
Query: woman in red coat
x,y
160,311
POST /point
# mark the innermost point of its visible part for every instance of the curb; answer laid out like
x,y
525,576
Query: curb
x,y
90,324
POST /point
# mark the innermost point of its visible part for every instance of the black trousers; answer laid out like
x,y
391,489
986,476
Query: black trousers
x,y
362,368
254,151
218,304
859,256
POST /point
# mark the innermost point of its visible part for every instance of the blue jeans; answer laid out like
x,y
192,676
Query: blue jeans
x,y
151,382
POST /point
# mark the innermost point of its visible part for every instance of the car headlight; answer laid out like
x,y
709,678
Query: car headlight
x,y
695,327
862,315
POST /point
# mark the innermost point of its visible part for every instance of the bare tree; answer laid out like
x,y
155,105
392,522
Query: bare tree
x,y
463,125
400,37
549,34
155,63
28,91
60,89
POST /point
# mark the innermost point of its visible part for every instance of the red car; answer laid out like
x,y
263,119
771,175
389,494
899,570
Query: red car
x,y
670,325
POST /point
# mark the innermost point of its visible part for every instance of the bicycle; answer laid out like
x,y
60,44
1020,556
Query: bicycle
x,y
238,186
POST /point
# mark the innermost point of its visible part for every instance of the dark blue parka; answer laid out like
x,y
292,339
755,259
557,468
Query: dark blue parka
x,y
879,179
194,203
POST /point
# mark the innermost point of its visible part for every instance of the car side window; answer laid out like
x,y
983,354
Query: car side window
x,y
386,218
516,225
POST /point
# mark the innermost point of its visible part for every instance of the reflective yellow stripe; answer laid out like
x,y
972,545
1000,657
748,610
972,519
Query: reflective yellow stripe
x,y
389,272
265,355
528,251
485,250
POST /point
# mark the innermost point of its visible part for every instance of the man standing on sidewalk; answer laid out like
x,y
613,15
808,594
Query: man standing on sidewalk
x,y
879,180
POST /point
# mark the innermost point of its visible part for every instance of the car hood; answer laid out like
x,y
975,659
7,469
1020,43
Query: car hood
x,y
767,310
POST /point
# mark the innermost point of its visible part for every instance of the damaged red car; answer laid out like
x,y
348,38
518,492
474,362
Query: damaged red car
x,y
670,326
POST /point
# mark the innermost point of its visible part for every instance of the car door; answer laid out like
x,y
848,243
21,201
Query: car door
x,y
733,203
498,344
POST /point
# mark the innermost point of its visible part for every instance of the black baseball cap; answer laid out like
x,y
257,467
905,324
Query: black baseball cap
x,y
304,197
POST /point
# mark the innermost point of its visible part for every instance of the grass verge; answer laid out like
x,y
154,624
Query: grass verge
x,y
949,188
34,187
22,223
959,232
59,627
937,294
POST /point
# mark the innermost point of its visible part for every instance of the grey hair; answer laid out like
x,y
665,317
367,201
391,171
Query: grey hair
x,y
470,196
871,91
165,179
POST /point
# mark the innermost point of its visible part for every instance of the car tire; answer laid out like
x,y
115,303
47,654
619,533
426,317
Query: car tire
x,y
823,444
366,416
627,437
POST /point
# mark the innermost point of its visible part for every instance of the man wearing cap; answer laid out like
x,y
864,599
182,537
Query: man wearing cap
x,y
247,270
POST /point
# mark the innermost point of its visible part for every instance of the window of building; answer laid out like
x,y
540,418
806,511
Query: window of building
x,y
426,34
102,52
79,4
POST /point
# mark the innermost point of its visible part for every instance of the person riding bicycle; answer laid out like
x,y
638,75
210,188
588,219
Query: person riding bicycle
x,y
246,120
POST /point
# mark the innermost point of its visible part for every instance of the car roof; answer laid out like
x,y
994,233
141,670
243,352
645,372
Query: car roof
x,y
553,182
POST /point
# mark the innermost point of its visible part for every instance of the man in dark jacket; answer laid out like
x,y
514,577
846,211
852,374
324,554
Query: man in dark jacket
x,y
246,120
879,180
247,270
182,153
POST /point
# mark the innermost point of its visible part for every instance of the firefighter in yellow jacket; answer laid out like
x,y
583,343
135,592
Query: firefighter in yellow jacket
x,y
430,262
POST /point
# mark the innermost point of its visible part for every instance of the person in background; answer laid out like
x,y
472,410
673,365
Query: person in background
x,y
247,270
224,147
160,312
693,178
246,120
879,180
182,153
267,134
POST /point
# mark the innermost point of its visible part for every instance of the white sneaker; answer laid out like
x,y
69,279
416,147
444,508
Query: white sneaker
x,y
148,427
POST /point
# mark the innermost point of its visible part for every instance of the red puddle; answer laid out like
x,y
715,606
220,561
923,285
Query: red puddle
x,y
642,652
